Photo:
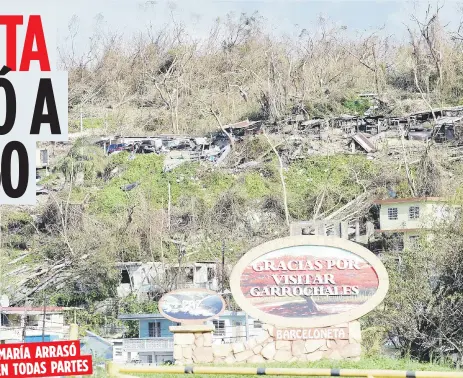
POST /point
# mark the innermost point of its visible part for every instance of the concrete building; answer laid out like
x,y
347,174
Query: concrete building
x,y
155,343
28,324
145,279
41,158
404,219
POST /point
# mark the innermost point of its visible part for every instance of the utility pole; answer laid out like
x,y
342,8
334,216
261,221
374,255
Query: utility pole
x,y
24,325
247,326
43,320
223,267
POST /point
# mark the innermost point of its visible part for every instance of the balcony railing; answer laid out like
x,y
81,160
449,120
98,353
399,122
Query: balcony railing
x,y
148,345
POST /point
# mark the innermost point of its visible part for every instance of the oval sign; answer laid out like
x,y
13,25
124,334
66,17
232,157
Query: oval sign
x,y
191,305
309,281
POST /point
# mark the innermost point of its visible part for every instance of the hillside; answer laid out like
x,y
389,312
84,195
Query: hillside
x,y
314,95
90,220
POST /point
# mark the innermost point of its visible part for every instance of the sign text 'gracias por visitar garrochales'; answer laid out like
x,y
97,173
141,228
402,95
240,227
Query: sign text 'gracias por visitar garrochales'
x,y
315,284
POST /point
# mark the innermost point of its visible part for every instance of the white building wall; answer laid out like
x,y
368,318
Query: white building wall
x,y
430,214
144,276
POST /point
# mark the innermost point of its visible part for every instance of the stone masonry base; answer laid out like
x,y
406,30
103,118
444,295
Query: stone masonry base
x,y
193,345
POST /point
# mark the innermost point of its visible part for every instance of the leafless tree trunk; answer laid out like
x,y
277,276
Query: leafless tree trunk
x,y
282,179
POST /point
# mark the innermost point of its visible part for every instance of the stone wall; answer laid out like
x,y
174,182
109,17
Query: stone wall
x,y
197,347
192,344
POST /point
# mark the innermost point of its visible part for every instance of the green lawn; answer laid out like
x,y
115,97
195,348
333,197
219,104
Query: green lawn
x,y
365,363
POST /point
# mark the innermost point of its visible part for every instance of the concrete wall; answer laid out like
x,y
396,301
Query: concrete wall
x,y
197,347
155,358
144,277
430,213
41,158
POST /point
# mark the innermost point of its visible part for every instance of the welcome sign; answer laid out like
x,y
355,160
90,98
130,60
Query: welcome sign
x,y
309,281
191,306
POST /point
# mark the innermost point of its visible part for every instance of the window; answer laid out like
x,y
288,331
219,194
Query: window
x,y
118,351
257,324
189,275
210,273
219,327
154,329
392,213
32,321
125,279
44,157
413,239
48,317
413,212
395,242
149,358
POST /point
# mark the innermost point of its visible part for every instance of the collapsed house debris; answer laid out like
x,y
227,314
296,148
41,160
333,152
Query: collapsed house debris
x,y
361,140
342,134
178,149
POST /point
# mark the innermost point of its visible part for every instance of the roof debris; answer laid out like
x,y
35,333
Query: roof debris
x,y
307,136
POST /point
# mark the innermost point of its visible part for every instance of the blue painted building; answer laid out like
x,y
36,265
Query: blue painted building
x,y
155,343
38,339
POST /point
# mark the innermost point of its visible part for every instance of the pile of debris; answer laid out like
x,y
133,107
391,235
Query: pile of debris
x,y
180,148
346,134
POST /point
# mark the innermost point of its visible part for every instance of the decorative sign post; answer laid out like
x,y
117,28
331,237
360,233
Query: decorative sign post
x,y
191,308
309,290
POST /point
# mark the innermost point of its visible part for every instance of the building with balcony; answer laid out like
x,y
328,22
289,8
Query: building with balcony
x,y
32,324
402,220
155,343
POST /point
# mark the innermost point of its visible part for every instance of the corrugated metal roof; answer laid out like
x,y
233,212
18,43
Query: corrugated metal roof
x,y
363,141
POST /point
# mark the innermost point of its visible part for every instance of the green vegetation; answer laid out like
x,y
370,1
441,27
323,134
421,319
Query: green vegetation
x,y
327,182
357,106
16,218
306,180
256,186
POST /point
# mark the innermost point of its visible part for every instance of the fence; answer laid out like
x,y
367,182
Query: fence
x,y
114,370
